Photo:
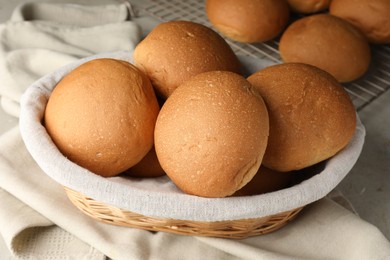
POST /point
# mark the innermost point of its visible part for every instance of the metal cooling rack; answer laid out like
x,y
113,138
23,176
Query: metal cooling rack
x,y
362,91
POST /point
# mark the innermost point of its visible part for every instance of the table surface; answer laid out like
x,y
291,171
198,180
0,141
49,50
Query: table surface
x,y
367,186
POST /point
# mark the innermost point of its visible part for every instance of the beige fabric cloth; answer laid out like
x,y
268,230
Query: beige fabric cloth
x,y
28,234
41,37
324,230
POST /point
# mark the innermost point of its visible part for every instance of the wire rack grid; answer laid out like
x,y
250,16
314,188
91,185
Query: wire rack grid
x,y
362,91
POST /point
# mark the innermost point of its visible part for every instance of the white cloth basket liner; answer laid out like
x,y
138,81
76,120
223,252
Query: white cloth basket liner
x,y
159,197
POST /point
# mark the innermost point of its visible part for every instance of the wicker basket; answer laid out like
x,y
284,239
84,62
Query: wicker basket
x,y
233,229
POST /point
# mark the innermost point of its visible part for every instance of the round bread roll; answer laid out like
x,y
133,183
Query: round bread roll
x,y
102,115
211,134
265,180
371,17
173,52
311,115
308,6
327,42
148,167
248,20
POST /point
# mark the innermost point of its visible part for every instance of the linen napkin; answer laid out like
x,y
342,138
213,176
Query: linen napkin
x,y
40,37
323,230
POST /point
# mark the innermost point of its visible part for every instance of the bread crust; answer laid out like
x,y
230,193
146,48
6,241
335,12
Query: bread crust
x,y
102,116
370,17
308,6
175,51
211,134
311,115
248,20
148,167
266,180
327,42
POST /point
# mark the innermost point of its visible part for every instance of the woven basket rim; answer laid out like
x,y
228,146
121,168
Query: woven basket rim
x,y
232,229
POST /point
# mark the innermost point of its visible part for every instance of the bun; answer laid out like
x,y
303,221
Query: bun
x,y
308,6
102,116
311,115
248,20
148,167
329,43
211,134
265,180
371,17
173,52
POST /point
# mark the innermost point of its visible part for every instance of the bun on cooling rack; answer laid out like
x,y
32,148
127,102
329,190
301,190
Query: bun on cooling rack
x,y
327,42
311,115
102,116
211,134
248,20
371,17
175,51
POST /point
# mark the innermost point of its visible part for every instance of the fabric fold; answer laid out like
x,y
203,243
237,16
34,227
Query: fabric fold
x,y
41,37
70,13
28,233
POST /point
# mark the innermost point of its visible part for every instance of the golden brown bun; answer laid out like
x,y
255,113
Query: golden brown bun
x,y
327,42
149,166
175,51
371,17
311,115
308,6
248,20
102,116
211,134
265,180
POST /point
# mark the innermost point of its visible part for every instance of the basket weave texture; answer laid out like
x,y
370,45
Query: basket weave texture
x,y
233,229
